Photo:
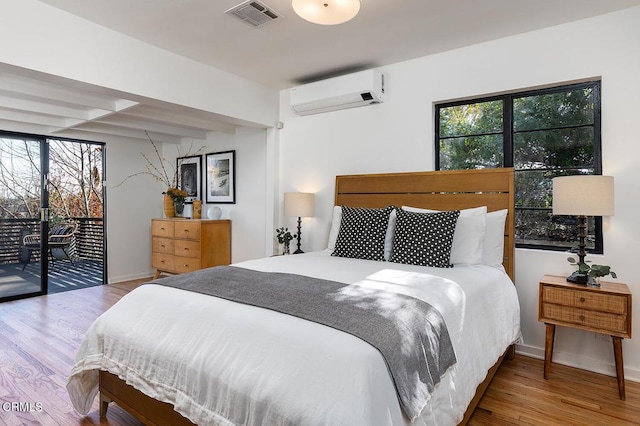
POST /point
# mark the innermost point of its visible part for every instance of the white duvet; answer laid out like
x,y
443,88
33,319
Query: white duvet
x,y
220,362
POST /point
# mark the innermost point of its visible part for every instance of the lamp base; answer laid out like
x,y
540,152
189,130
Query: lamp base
x,y
298,251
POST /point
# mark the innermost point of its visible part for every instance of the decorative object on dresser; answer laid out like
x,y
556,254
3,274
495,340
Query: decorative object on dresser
x,y
159,169
221,177
180,246
197,209
605,309
300,204
582,195
178,197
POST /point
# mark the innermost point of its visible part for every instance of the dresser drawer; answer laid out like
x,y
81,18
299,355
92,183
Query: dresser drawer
x,y
162,228
162,261
187,229
162,245
186,264
604,322
586,300
187,248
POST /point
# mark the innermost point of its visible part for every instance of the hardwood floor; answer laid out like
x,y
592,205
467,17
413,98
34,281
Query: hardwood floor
x,y
40,336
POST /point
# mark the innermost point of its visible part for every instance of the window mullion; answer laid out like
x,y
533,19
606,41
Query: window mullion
x,y
507,119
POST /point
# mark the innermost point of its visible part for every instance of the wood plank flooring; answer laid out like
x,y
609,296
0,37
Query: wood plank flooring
x,y
40,336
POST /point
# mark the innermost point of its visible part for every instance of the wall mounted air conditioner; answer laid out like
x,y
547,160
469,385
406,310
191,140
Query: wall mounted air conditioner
x,y
347,91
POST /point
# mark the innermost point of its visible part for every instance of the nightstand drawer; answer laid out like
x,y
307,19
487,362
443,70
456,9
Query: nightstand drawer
x,y
585,300
596,321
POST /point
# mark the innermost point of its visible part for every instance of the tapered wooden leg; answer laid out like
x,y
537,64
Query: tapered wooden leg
x,y
157,274
548,348
617,351
104,405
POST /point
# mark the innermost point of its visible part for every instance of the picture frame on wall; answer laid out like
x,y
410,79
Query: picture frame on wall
x,y
221,177
189,171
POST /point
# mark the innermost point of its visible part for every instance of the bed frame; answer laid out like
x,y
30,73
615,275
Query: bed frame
x,y
442,190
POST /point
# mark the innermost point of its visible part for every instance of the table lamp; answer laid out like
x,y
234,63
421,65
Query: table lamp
x,y
582,195
300,204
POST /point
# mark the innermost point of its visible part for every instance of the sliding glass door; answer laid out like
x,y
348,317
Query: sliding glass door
x,y
51,188
22,206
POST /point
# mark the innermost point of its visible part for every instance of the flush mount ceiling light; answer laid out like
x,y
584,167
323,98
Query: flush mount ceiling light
x,y
326,12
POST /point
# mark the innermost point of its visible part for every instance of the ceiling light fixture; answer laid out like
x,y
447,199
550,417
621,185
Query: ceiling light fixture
x,y
326,12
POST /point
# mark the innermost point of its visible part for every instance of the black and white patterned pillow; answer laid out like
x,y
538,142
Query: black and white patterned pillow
x,y
424,238
362,233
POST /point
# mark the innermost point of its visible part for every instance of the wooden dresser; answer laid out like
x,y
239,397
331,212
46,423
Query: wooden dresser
x,y
605,310
185,245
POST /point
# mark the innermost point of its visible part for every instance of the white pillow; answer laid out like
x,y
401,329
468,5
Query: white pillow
x,y
493,247
468,238
335,229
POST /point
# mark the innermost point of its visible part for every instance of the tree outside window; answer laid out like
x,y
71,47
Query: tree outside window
x,y
542,134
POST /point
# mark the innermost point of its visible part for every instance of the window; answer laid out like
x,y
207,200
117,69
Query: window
x,y
542,134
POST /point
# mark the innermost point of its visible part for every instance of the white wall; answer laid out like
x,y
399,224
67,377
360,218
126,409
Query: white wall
x,y
398,136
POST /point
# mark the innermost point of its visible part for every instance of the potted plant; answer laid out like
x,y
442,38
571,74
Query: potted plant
x,y
178,196
284,237
590,274
161,170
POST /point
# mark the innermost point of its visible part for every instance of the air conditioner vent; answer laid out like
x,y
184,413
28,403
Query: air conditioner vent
x,y
253,12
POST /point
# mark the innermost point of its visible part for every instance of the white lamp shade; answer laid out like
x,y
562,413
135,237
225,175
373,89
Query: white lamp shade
x,y
584,195
299,204
326,12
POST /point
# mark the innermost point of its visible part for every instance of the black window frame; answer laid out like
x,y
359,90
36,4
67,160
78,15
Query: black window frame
x,y
508,141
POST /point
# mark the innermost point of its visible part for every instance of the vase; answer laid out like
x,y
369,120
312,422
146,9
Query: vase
x,y
197,209
285,248
169,207
179,208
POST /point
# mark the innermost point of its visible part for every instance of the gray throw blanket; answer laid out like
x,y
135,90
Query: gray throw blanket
x,y
410,334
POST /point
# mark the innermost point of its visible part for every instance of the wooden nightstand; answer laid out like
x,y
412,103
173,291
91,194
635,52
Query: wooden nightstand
x,y
605,309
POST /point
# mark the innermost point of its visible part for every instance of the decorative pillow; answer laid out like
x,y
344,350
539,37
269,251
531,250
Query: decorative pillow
x,y
424,238
468,237
493,247
335,228
362,233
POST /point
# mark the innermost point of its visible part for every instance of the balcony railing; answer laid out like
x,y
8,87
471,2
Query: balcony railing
x,y
88,238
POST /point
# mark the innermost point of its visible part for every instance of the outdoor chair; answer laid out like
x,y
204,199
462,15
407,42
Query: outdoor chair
x,y
60,240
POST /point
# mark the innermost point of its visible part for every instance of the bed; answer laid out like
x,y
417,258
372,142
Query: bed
x,y
171,356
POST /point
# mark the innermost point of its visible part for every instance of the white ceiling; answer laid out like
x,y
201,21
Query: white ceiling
x,y
279,54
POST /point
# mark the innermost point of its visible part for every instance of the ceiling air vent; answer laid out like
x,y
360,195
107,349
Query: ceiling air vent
x,y
254,13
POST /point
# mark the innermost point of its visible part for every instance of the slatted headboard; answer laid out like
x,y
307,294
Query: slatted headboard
x,y
441,190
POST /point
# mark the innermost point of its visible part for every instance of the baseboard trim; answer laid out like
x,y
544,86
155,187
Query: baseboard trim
x,y
606,367
123,278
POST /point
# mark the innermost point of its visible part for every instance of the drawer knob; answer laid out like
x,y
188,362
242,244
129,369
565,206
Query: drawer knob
x,y
162,229
582,299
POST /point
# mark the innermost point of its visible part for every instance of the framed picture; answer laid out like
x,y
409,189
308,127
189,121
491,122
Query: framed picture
x,y
190,176
221,177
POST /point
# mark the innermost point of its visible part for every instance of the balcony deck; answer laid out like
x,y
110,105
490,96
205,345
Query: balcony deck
x,y
86,252
63,276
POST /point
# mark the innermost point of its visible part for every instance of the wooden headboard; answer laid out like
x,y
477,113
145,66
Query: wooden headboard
x,y
441,190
